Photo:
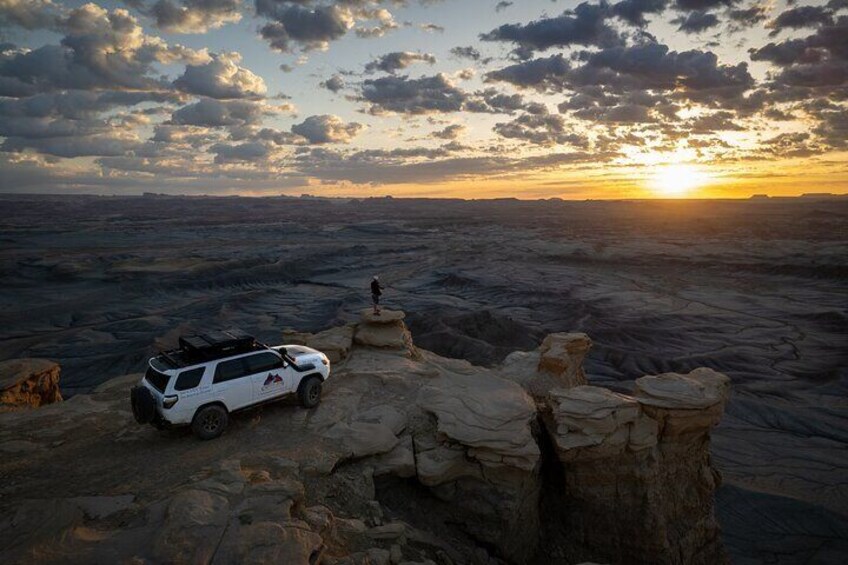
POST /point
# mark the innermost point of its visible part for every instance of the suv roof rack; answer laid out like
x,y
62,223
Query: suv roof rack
x,y
217,344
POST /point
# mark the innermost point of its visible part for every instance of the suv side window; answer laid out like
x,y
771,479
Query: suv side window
x,y
262,362
189,379
229,370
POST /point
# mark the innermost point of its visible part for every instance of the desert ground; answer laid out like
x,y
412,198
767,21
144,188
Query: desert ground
x,y
756,289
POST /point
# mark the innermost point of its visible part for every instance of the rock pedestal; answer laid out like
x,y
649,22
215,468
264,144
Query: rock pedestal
x,y
384,330
29,383
638,485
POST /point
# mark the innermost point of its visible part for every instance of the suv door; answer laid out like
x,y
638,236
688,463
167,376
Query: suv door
x,y
269,375
231,383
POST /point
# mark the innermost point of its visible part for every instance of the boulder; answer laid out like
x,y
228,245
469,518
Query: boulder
x,y
557,363
561,355
384,330
29,383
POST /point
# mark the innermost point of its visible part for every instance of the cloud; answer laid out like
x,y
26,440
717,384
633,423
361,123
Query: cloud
x,y
250,151
30,14
398,60
326,129
194,16
544,130
453,131
801,17
208,112
102,144
502,5
413,96
586,25
547,73
101,50
334,84
703,5
222,78
385,23
308,28
692,74
633,11
696,22
432,28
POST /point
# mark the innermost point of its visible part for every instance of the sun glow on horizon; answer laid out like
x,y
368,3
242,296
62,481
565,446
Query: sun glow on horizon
x,y
677,181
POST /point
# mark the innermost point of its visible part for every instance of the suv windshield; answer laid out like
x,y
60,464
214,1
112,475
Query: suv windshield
x,y
157,379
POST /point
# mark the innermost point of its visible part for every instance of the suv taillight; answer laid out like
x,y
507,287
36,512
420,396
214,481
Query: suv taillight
x,y
169,401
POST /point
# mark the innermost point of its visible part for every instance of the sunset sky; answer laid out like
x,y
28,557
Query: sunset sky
x,y
471,98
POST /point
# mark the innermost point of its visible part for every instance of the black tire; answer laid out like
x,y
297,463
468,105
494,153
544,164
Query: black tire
x,y
210,422
309,392
143,404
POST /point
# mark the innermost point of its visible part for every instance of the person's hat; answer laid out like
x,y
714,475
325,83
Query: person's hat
x,y
376,278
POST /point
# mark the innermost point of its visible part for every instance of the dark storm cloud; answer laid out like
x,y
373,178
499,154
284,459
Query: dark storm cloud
x,y
586,25
398,60
194,16
696,22
502,5
549,129
326,129
413,96
221,77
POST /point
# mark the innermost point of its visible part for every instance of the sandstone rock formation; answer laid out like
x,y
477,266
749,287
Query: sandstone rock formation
x,y
557,363
28,383
410,458
383,330
637,483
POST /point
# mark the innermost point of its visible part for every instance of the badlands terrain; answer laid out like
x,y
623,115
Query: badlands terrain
x,y
757,290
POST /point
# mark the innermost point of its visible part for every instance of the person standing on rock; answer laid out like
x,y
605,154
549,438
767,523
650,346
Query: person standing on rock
x,y
376,292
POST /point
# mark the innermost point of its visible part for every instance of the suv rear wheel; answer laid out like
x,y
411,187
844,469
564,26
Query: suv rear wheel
x,y
209,422
309,392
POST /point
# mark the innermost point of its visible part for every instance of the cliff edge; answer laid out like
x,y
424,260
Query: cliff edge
x,y
410,458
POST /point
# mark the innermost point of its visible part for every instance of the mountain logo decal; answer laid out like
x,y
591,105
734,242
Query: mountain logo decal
x,y
272,379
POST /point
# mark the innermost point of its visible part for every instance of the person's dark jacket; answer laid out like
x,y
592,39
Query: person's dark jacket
x,y
376,289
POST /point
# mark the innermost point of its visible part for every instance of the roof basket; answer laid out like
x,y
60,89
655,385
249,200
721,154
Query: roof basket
x,y
216,344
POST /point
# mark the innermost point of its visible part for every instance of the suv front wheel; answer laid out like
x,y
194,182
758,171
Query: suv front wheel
x,y
309,392
209,422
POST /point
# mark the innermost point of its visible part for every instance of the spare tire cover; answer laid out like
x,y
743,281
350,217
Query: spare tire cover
x,y
143,404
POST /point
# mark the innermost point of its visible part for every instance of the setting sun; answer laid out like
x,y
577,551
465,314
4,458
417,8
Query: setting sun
x,y
677,180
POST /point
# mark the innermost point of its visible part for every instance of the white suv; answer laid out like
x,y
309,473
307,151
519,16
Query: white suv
x,y
215,374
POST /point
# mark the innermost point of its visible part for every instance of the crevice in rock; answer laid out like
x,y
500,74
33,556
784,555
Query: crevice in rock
x,y
553,521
